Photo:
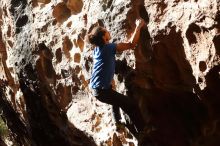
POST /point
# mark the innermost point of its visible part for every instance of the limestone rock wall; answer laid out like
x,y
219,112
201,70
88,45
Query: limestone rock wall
x,y
173,74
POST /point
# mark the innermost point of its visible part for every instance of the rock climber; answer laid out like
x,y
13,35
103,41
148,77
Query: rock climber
x,y
104,68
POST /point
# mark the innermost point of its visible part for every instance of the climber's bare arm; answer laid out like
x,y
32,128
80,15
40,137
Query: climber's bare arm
x,y
133,40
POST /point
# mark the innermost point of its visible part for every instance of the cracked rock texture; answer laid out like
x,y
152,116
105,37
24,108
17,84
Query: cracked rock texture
x,y
174,73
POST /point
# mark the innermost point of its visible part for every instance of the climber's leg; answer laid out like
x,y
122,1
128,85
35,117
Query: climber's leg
x,y
126,103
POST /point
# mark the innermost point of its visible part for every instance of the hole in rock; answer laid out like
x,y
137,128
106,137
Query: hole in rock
x,y
44,28
191,33
202,66
54,22
77,69
65,73
59,55
83,33
17,30
75,89
83,81
200,80
109,3
76,82
104,7
9,31
22,21
3,11
216,41
67,46
88,63
61,12
77,58
10,43
80,43
69,24
75,42
85,19
101,23
52,43
75,6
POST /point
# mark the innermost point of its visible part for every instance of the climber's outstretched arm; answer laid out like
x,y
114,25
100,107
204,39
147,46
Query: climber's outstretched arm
x,y
134,39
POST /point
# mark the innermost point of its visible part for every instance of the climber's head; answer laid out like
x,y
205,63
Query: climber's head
x,y
99,36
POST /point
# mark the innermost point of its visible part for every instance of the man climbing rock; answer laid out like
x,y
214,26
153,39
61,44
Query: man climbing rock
x,y
104,68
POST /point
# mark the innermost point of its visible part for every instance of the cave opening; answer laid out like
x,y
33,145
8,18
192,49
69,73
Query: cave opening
x,y
191,33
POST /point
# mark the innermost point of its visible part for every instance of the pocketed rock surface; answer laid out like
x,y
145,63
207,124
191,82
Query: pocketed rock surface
x,y
173,73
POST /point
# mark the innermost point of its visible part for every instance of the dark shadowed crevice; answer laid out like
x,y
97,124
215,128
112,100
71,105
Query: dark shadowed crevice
x,y
191,33
122,69
211,98
58,55
46,119
143,13
109,4
216,41
165,69
163,104
177,54
16,126
213,80
15,4
143,52
18,5
9,31
22,21
217,19
170,118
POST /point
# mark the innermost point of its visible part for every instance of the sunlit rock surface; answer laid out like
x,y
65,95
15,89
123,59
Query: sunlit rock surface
x,y
174,73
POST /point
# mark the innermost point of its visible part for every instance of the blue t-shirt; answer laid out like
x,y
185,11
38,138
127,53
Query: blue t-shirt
x,y
103,66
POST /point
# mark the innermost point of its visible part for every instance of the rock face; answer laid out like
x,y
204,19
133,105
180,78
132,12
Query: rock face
x,y
174,73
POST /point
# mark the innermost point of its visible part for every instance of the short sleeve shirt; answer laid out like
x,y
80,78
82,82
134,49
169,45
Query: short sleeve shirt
x,y
103,66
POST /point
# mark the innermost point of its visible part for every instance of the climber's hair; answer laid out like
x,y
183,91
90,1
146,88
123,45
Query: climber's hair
x,y
95,36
